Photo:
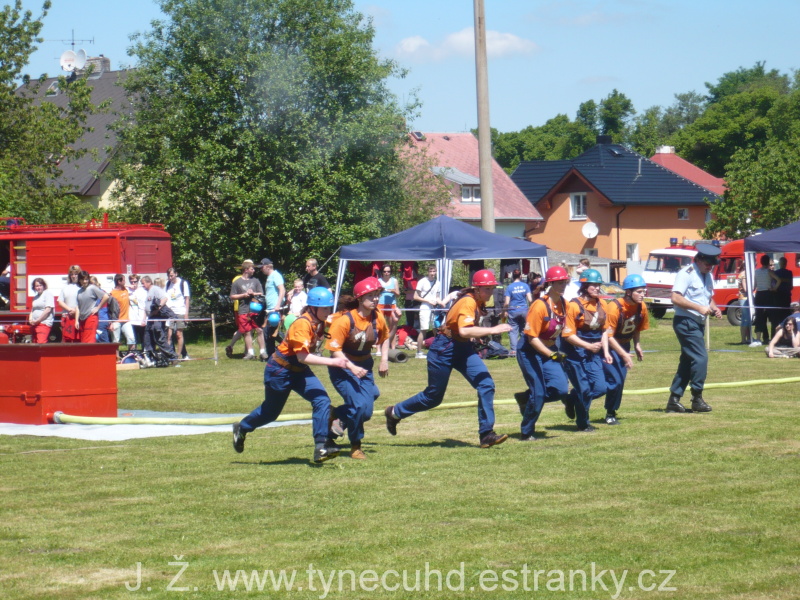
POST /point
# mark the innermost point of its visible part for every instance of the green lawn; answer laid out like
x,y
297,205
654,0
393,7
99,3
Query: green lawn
x,y
704,506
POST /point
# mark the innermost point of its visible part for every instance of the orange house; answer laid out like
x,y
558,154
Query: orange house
x,y
613,202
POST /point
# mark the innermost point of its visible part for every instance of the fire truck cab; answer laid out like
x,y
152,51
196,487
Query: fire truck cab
x,y
662,266
659,274
99,247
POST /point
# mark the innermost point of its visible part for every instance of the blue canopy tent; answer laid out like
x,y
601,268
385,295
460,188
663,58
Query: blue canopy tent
x,y
782,239
444,240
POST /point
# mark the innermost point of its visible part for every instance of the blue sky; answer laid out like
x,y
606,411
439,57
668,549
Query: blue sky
x,y
545,57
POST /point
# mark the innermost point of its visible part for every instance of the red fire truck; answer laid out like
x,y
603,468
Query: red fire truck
x,y
99,247
662,266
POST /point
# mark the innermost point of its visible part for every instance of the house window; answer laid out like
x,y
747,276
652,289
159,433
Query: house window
x,y
708,215
683,214
589,251
577,206
470,193
632,251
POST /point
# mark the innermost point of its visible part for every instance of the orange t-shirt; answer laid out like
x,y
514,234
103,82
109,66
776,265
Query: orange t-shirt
x,y
629,312
574,319
535,323
301,337
462,314
340,329
123,298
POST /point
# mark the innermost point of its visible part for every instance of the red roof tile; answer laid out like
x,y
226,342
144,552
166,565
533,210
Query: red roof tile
x,y
673,162
460,151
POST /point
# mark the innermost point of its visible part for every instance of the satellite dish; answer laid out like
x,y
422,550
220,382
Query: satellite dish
x,y
590,230
68,60
80,59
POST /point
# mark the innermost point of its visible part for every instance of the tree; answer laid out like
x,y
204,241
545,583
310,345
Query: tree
x,y
588,116
743,80
614,114
686,110
646,135
558,139
762,190
735,122
264,128
37,138
763,178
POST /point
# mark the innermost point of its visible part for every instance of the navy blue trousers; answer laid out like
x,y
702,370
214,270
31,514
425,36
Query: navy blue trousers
x,y
359,398
693,364
445,355
615,373
585,372
279,382
547,382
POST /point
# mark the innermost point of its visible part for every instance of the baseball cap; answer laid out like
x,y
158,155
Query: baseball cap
x,y
265,261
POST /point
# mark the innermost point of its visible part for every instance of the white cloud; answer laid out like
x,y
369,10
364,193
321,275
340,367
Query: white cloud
x,y
462,43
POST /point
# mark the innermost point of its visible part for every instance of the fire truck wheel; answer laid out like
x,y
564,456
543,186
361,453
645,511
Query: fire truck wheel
x,y
735,314
658,311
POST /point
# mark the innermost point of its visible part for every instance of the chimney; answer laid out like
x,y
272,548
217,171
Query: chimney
x,y
665,150
604,139
101,65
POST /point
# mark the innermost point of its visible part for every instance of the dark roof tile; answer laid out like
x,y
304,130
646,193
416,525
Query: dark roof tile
x,y
619,174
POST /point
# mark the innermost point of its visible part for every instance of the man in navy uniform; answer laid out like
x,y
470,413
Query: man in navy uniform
x,y
693,299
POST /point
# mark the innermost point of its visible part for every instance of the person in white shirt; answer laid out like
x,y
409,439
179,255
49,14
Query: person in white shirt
x,y
137,310
178,298
429,295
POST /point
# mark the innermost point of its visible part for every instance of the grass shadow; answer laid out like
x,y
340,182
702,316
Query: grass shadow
x,y
446,443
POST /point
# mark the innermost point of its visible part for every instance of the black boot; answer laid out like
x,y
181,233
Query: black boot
x,y
674,404
698,404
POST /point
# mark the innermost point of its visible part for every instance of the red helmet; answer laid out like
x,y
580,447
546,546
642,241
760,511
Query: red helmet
x,y
556,274
484,277
365,286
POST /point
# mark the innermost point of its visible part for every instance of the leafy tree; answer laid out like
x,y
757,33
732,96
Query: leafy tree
x,y
686,110
735,122
762,190
763,179
744,80
646,135
558,139
614,114
589,116
265,128
36,138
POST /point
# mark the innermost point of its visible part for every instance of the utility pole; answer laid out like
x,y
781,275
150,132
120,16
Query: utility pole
x,y
484,129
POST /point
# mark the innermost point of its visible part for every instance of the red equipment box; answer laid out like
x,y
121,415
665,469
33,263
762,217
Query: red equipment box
x,y
40,379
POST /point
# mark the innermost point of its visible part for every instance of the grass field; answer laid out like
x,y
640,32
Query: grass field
x,y
700,506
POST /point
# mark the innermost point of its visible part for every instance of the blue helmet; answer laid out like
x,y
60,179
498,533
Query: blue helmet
x,y
256,307
274,319
320,296
632,282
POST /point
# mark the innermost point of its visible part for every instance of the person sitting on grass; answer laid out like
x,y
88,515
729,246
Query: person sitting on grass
x,y
786,341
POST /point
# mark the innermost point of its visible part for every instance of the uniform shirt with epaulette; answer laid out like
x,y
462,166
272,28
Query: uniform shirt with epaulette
x,y
695,287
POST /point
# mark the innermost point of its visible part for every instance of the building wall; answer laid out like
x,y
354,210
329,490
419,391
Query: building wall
x,y
651,227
